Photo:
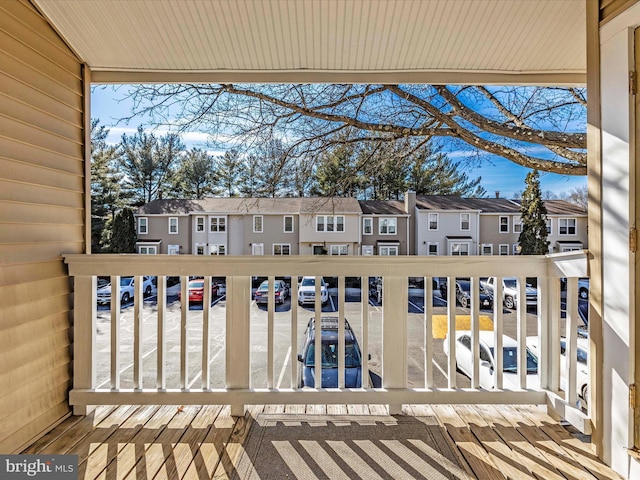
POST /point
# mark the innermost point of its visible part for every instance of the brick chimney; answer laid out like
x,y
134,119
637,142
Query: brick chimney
x,y
497,193
410,208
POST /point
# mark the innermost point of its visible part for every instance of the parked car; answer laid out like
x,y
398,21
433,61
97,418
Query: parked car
x,y
307,291
352,356
222,289
582,366
510,291
126,290
463,295
281,292
195,289
487,359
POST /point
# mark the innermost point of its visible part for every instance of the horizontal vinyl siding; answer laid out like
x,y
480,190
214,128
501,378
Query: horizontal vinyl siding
x,y
41,217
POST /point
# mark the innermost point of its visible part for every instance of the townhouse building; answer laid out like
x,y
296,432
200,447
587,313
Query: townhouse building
x,y
421,225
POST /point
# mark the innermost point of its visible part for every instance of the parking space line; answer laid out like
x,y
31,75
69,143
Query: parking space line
x,y
126,368
284,367
439,368
420,309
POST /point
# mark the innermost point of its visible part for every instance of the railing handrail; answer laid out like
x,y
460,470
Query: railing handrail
x,y
552,265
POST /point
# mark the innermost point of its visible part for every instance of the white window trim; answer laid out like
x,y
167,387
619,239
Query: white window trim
x,y
367,250
334,223
219,246
169,225
284,224
331,247
468,244
148,248
550,229
388,247
437,245
173,248
204,248
273,248
255,217
253,248
468,215
391,221
517,222
567,219
500,224
437,215
198,225
219,221
313,247
146,225
500,249
482,247
368,220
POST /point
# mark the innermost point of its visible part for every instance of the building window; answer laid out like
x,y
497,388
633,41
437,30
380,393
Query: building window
x,y
199,224
465,221
459,248
257,224
504,249
548,226
257,249
367,226
567,226
486,249
338,250
147,249
173,249
143,225
173,225
388,226
517,225
217,250
319,250
433,221
367,250
388,250
432,248
281,249
330,223
217,224
200,248
288,224
504,225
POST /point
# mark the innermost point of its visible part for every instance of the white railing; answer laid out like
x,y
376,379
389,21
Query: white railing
x,y
193,345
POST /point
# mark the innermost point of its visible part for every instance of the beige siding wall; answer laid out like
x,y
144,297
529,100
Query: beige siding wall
x,y
41,217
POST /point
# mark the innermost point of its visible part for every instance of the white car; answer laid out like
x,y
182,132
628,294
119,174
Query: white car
x,y
582,366
307,291
487,360
510,291
126,290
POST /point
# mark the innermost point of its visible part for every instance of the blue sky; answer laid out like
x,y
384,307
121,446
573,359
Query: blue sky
x,y
497,174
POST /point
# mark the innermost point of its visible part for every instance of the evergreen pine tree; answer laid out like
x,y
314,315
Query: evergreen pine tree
x,y
119,235
533,237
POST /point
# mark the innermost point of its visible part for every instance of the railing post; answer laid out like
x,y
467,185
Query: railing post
x,y
238,361
394,335
84,329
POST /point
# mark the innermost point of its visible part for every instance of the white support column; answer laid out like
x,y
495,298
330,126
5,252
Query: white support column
x,y
161,375
451,320
238,354
84,336
271,301
294,331
206,335
364,339
428,332
394,335
545,285
115,332
571,339
498,324
475,332
521,331
341,352
184,311
138,301
318,333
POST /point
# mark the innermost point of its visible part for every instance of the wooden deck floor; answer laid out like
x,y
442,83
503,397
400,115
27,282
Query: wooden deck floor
x,y
203,442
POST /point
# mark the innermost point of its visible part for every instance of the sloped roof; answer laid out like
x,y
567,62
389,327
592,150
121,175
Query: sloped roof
x,y
562,207
222,205
382,207
315,205
290,41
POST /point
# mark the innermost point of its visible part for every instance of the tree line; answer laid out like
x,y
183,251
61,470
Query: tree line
x,y
145,166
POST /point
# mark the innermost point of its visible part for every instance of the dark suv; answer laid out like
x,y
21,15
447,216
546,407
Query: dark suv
x,y
352,359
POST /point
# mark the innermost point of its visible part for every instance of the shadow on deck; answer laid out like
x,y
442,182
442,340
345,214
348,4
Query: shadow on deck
x,y
323,441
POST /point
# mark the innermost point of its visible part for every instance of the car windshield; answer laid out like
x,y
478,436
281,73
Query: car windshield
x,y
510,282
310,282
330,355
126,281
510,360
264,287
196,285
464,285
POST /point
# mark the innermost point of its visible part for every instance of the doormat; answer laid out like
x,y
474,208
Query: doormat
x,y
286,446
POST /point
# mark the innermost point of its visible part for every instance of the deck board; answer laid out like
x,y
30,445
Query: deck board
x,y
204,442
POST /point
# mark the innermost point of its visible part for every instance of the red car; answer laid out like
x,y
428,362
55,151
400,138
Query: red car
x,y
196,290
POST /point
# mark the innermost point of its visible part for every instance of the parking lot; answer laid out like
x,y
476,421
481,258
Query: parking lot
x,y
282,335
